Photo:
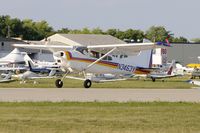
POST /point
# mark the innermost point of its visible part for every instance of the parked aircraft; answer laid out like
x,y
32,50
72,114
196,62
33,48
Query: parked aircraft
x,y
194,82
101,59
6,78
164,73
14,57
27,70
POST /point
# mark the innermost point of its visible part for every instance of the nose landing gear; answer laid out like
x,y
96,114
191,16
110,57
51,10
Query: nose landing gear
x,y
59,83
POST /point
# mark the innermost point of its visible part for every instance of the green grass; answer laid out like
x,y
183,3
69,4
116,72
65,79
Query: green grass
x,y
131,83
155,117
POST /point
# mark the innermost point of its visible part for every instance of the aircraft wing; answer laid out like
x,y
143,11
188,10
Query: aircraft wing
x,y
162,76
6,80
12,68
44,47
130,48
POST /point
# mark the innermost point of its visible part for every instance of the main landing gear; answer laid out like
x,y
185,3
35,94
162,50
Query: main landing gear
x,y
87,83
153,79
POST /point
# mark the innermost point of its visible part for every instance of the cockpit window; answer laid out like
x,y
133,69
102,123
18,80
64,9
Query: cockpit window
x,y
94,54
82,50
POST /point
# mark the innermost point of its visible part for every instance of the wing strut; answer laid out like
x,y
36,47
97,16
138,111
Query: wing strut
x,y
93,63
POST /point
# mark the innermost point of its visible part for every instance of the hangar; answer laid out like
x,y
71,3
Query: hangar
x,y
83,39
184,53
6,45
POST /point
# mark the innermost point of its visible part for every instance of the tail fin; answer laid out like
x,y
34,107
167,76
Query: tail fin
x,y
29,61
171,67
30,65
166,42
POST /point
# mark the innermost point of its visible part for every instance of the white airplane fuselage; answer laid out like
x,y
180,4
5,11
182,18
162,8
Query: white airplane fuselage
x,y
114,65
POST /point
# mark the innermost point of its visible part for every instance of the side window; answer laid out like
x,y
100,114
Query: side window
x,y
58,61
109,58
123,56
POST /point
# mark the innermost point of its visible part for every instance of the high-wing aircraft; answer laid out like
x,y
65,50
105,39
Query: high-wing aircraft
x,y
163,73
101,59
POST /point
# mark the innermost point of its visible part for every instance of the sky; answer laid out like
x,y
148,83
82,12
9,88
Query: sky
x,y
179,16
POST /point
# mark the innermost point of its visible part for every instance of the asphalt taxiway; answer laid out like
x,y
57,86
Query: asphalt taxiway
x,y
100,95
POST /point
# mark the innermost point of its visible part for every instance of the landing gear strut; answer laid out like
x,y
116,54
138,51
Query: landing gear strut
x,y
87,83
59,83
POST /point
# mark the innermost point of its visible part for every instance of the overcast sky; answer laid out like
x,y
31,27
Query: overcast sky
x,y
179,16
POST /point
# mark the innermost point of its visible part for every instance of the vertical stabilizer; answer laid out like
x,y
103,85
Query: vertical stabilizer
x,y
171,67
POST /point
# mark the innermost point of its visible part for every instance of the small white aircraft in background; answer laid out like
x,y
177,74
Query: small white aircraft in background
x,y
118,59
194,82
19,65
6,78
14,57
164,73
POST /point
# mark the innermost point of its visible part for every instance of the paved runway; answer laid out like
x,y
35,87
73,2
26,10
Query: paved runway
x,y
101,95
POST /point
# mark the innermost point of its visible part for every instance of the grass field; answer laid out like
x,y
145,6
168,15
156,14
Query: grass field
x,y
131,83
155,117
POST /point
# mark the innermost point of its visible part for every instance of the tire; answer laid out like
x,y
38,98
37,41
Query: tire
x,y
59,83
87,83
153,79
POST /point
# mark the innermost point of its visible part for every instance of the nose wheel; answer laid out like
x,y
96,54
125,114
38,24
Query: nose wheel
x,y
87,83
59,83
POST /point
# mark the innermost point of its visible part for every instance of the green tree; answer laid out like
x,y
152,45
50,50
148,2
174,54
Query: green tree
x,y
180,40
85,31
120,35
36,30
75,31
43,29
4,23
97,31
64,30
156,33
112,32
15,27
134,35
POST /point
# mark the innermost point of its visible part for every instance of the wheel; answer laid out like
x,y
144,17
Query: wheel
x,y
153,79
59,83
87,83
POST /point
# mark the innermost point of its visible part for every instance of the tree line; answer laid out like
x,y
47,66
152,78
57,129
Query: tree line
x,y
28,29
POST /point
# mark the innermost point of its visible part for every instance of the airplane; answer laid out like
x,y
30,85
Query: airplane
x,y
162,73
14,57
36,72
7,78
101,59
194,82
50,68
